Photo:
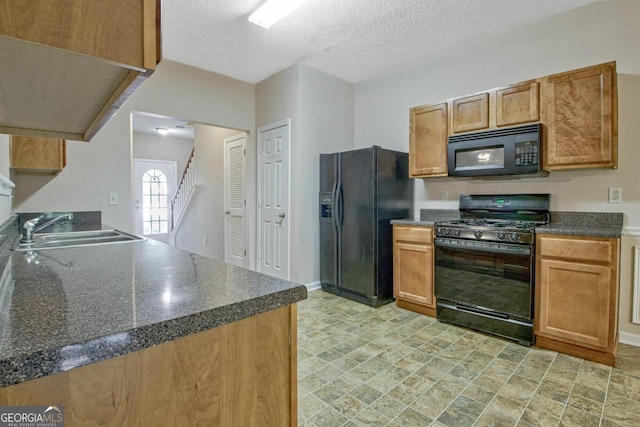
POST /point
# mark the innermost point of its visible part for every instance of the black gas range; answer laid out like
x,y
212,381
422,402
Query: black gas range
x,y
484,264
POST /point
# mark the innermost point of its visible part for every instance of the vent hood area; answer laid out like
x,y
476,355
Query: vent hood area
x,y
68,66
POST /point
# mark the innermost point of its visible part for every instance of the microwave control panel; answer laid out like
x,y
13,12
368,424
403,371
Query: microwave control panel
x,y
526,153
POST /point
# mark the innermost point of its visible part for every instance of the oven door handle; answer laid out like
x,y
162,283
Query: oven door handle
x,y
477,310
499,249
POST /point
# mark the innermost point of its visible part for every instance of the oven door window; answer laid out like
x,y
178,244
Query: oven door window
x,y
480,277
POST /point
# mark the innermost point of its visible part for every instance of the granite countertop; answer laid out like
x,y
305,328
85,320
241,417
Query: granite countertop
x,y
588,224
65,308
428,217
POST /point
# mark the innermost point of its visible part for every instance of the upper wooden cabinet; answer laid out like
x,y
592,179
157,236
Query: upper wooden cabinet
x,y
37,155
578,110
428,140
581,118
470,113
67,66
517,104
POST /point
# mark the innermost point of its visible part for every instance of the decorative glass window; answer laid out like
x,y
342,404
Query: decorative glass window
x,y
155,206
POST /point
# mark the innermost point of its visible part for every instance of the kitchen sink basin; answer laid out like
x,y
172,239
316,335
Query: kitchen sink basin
x,y
76,239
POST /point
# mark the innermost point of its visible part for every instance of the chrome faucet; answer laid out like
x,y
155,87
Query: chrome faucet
x,y
30,226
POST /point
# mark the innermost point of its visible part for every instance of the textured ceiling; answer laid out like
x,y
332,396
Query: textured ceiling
x,y
354,40
148,123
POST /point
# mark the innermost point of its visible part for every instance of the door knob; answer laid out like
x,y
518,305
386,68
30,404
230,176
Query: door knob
x,y
227,212
282,215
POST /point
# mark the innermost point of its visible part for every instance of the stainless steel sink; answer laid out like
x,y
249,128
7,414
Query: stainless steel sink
x,y
77,238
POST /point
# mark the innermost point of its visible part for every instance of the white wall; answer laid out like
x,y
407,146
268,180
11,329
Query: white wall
x,y
162,147
104,164
277,98
597,33
205,217
4,155
321,111
326,126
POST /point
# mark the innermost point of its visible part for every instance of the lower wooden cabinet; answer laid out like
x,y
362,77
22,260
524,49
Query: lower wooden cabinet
x,y
577,296
413,268
239,374
38,155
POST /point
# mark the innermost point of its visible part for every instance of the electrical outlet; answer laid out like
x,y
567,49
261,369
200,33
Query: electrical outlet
x,y
204,240
615,194
445,195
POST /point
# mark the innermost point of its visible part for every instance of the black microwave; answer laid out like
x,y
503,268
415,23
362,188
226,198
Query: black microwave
x,y
513,151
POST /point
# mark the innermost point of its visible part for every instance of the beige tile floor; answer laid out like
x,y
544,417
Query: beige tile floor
x,y
359,366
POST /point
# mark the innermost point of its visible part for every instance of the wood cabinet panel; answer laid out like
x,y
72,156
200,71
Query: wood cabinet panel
x,y
574,302
109,30
470,113
413,261
517,104
581,118
37,155
577,296
237,374
112,47
578,249
428,132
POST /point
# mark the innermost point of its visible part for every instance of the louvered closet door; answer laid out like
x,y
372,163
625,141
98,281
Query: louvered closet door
x,y
235,235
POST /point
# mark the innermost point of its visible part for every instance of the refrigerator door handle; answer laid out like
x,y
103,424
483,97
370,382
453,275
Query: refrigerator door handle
x,y
340,206
334,206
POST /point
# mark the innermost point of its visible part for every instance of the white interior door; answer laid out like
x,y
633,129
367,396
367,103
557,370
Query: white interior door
x,y
235,202
273,199
154,186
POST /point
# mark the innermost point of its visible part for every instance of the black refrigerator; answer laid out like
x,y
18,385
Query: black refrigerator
x,y
361,191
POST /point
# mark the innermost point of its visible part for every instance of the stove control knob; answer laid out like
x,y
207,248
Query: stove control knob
x,y
446,231
514,237
456,232
501,235
478,234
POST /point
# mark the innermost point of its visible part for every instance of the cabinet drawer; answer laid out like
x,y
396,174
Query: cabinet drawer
x,y
413,234
588,249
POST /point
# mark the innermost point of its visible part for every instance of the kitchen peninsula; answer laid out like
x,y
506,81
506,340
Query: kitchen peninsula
x,y
144,333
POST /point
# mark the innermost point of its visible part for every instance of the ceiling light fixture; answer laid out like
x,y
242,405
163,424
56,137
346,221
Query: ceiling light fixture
x,y
162,131
272,11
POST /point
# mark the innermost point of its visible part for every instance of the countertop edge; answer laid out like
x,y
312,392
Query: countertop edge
x,y
551,229
50,361
566,223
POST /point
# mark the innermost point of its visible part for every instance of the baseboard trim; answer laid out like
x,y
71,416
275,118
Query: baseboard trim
x,y
629,338
314,286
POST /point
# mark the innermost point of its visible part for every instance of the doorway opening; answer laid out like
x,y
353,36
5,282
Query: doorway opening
x,y
199,148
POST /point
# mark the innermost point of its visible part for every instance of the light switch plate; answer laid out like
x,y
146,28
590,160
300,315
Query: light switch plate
x,y
113,198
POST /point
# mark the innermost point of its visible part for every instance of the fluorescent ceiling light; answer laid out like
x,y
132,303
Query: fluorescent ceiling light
x,y
162,131
272,11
